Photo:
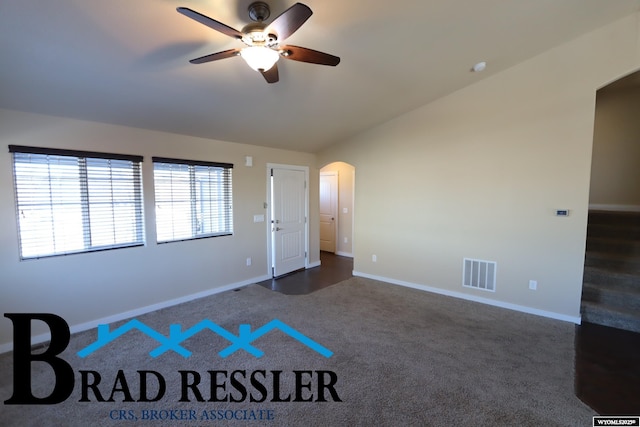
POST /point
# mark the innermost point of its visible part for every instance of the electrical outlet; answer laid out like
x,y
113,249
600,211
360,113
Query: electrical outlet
x,y
533,285
248,261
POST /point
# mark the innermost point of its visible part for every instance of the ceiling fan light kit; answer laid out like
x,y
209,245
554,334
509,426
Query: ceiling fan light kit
x,y
263,48
260,57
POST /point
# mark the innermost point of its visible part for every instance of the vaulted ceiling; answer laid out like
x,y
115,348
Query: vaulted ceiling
x,y
126,62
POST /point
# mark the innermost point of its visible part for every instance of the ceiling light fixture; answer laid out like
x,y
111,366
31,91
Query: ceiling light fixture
x,y
260,58
480,66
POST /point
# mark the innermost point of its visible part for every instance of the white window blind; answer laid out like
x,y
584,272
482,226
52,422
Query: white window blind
x,y
71,201
193,199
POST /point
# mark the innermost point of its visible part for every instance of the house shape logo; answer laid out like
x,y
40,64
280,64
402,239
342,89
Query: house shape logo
x,y
176,336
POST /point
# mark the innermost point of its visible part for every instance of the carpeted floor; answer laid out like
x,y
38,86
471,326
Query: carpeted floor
x,y
401,357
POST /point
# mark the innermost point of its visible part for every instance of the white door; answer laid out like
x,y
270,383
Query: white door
x,y
328,210
288,220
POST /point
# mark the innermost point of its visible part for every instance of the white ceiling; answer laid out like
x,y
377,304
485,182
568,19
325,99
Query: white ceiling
x,y
126,62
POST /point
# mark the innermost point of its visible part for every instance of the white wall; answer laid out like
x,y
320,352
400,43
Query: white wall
x,y
480,173
84,287
615,169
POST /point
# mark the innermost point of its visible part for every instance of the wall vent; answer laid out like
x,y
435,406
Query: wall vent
x,y
479,274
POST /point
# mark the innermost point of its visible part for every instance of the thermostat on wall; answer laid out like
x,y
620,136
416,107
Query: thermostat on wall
x,y
562,212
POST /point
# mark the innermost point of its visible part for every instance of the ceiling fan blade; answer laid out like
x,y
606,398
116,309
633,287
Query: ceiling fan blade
x,y
290,20
303,54
216,56
211,23
271,75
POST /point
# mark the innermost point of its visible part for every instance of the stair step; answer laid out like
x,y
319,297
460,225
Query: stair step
x,y
612,277
611,296
611,283
607,316
618,246
609,261
614,231
614,217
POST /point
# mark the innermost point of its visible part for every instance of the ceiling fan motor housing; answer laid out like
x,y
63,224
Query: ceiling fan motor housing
x,y
259,11
254,35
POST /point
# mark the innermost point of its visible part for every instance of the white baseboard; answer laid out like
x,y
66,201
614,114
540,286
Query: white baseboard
x,y
313,264
615,208
346,254
6,347
521,308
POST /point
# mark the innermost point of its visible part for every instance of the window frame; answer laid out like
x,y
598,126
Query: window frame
x,y
226,183
89,184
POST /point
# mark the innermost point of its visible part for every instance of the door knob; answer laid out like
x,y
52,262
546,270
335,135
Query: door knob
x,y
278,228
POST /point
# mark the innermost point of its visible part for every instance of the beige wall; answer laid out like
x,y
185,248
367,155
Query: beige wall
x,y
479,174
346,177
615,169
84,287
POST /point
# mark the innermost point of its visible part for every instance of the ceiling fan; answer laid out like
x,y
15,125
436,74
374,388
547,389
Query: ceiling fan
x,y
263,48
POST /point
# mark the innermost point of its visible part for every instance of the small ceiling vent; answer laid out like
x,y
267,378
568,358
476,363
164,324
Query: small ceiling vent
x,y
479,274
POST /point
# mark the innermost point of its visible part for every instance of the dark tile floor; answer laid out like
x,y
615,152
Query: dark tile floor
x,y
608,369
333,269
607,360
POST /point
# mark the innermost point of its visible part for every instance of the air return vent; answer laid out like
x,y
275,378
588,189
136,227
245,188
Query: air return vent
x,y
479,274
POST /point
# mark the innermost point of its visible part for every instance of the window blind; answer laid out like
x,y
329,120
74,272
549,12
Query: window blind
x,y
193,199
76,201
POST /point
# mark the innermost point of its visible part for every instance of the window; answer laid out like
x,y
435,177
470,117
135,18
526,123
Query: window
x,y
76,201
193,199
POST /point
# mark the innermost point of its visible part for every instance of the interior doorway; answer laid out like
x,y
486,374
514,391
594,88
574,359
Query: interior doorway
x,y
615,158
328,211
341,229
